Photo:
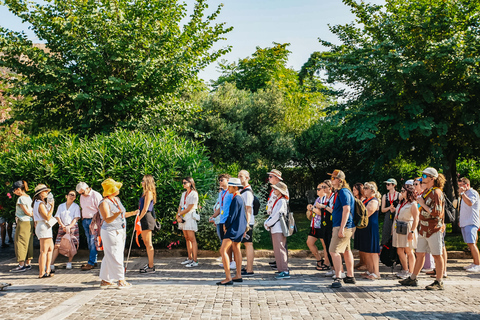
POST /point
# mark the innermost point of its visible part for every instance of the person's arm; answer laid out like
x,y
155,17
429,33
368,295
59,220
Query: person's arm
x,y
372,206
146,203
131,213
345,214
107,216
274,216
415,215
438,205
384,207
46,215
186,210
468,201
26,210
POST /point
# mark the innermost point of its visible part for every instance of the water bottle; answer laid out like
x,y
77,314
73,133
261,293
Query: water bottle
x,y
49,201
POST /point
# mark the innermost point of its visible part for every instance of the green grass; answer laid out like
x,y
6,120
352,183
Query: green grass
x,y
454,242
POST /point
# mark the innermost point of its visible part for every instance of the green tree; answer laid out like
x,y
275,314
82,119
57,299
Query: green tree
x,y
109,64
412,73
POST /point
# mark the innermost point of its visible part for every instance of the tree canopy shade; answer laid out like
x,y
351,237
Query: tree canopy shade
x,y
414,70
108,63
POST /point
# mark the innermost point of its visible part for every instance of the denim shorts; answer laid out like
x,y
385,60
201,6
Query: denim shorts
x,y
470,233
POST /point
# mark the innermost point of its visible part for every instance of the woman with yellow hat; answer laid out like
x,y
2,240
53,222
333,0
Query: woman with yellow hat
x,y
112,272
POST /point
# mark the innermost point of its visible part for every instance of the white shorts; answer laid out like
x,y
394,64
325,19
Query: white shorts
x,y
433,244
42,230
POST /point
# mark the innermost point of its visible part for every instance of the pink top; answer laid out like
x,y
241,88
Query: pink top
x,y
90,204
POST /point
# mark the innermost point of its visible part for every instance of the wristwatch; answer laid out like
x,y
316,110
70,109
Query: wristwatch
x,y
411,231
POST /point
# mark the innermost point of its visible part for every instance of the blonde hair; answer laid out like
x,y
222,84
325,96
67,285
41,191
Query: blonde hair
x,y
372,186
150,186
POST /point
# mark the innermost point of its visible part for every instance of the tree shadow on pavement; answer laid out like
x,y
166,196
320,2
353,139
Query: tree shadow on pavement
x,y
404,314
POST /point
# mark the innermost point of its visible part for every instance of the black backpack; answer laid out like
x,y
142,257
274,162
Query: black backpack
x,y
256,202
449,210
389,255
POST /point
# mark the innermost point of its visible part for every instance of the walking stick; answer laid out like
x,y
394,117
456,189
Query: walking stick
x,y
129,249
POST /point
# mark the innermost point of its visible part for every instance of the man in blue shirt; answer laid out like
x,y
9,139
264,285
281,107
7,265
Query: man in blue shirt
x,y
343,228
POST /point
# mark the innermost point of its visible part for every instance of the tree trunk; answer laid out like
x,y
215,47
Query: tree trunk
x,y
451,187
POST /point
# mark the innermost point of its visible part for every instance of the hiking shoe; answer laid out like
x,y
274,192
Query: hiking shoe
x,y
436,285
189,261
68,266
28,267
147,269
87,267
273,263
247,274
19,268
282,275
192,264
475,268
409,282
349,280
403,274
337,283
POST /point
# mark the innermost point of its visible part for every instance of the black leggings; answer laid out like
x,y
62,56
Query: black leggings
x,y
327,238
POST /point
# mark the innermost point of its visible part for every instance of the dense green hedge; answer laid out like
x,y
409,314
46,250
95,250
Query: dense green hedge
x,y
63,160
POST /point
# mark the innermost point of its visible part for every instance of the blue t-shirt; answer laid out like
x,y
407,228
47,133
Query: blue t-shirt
x,y
225,199
343,198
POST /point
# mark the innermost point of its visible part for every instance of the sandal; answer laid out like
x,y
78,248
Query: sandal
x,y
46,275
323,267
124,285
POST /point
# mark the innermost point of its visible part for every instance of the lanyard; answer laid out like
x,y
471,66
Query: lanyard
x,y
223,197
401,206
367,200
276,202
115,203
334,199
270,194
391,200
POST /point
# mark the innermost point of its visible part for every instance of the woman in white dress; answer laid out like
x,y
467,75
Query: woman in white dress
x,y
187,218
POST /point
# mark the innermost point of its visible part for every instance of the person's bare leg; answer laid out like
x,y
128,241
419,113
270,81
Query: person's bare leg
x,y
418,264
445,258
475,253
49,254
55,254
189,247
313,248
374,260
250,257
348,256
194,245
147,240
238,259
403,258
439,267
411,259
226,244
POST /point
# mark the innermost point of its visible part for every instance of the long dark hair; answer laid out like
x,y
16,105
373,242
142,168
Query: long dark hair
x,y
192,183
359,187
329,184
411,195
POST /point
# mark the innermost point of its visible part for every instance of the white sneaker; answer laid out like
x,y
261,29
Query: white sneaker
x,y
469,266
342,275
427,270
233,265
192,264
403,274
187,261
330,273
219,259
475,269
69,265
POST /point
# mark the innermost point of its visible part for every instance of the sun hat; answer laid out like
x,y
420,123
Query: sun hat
x,y
234,182
431,172
409,182
391,180
276,173
40,188
337,174
282,187
17,185
110,186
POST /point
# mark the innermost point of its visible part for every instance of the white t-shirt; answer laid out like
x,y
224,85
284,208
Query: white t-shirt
x,y
469,215
248,200
67,215
192,198
36,214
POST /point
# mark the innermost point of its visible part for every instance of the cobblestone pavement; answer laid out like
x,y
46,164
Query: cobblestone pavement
x,y
176,292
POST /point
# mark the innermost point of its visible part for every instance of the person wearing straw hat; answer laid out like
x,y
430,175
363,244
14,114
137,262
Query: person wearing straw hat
x,y
279,241
234,227
112,271
42,215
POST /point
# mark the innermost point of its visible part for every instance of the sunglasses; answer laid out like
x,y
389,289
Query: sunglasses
x,y
185,182
403,190
72,195
389,184
424,176
416,184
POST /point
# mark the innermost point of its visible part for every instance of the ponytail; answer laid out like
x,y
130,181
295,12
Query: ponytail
x,y
440,181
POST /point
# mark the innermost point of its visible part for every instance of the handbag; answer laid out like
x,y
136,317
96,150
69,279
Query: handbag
x,y
196,216
50,223
401,227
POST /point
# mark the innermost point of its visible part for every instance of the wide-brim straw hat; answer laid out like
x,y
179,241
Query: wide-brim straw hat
x,y
40,188
276,173
234,182
110,186
282,187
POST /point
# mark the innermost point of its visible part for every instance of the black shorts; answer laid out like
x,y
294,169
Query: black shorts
x,y
317,233
249,236
222,232
148,221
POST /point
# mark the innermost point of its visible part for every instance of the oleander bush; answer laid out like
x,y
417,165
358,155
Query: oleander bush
x,y
61,160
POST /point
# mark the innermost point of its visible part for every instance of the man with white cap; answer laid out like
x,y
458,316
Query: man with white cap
x,y
430,229
470,221
89,201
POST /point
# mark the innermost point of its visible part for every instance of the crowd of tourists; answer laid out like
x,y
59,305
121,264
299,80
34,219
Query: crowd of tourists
x,y
414,224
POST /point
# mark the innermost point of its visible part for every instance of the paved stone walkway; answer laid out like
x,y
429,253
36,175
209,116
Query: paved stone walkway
x,y
176,292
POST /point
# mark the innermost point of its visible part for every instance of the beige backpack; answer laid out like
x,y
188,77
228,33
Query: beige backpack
x,y
68,245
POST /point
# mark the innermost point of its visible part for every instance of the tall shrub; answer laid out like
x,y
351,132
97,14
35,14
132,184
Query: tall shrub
x,y
63,160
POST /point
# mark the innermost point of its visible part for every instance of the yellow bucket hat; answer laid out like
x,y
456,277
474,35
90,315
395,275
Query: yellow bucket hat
x,y
110,186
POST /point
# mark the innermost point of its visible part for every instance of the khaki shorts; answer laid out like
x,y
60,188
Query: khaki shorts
x,y
432,244
340,245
